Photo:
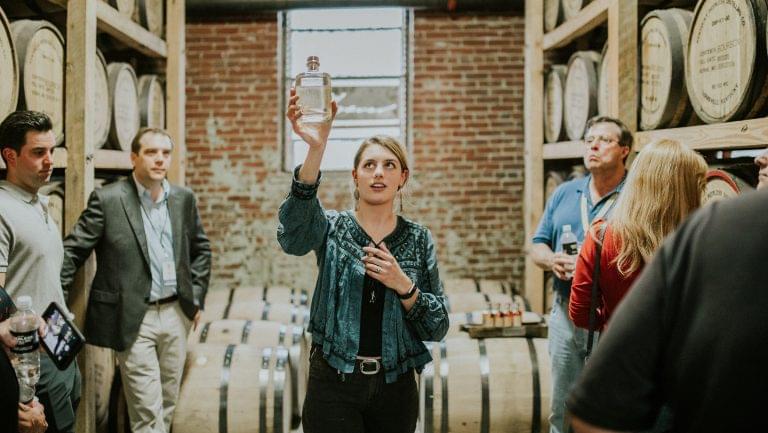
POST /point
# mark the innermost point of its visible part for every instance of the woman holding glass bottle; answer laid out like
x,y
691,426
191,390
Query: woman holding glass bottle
x,y
378,294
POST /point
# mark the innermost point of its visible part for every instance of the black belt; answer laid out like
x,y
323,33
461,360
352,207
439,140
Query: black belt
x,y
163,301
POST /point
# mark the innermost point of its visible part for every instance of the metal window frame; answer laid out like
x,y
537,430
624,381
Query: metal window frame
x,y
406,85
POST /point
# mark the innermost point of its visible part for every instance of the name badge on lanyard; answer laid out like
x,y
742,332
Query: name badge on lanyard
x,y
169,273
607,207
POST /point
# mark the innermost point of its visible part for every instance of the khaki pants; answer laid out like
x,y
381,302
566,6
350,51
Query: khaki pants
x,y
151,368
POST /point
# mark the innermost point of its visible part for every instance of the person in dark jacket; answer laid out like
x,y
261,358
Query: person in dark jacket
x,y
378,294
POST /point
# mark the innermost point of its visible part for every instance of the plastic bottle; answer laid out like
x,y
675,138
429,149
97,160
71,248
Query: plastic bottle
x,y
25,356
570,245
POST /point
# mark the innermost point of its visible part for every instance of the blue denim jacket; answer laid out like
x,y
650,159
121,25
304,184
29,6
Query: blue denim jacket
x,y
337,240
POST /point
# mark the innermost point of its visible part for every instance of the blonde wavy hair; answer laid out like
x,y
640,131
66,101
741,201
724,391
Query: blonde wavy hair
x,y
664,186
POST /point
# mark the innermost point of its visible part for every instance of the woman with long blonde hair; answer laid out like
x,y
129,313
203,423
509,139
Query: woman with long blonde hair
x,y
664,186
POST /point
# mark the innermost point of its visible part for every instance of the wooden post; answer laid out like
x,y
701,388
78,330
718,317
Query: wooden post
x,y
533,203
78,124
623,76
175,87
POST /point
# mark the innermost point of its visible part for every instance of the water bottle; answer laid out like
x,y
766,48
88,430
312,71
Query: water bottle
x,y
569,244
25,356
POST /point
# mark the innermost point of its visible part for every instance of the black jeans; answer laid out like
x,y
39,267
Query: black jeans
x,y
358,403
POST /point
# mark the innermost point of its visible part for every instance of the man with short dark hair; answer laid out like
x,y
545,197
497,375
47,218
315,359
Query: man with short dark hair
x,y
607,143
153,264
31,248
691,334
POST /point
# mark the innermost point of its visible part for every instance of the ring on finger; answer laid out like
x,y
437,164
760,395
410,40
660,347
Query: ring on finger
x,y
378,269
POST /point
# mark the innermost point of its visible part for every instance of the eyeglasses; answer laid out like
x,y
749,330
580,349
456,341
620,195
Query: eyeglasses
x,y
600,139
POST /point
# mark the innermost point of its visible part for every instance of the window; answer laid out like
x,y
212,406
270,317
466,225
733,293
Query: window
x,y
366,52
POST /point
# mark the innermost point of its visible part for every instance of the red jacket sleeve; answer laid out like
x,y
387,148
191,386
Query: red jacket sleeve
x,y
581,287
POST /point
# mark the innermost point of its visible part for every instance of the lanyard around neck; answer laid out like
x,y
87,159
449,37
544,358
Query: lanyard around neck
x,y
607,207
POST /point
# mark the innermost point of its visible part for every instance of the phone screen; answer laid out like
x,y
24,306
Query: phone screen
x,y
62,340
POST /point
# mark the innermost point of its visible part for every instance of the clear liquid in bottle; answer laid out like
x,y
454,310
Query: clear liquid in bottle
x,y
25,357
314,90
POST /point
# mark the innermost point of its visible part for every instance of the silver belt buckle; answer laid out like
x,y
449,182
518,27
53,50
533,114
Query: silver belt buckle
x,y
367,362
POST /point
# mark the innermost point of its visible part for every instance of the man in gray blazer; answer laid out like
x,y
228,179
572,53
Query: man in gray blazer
x,y
153,265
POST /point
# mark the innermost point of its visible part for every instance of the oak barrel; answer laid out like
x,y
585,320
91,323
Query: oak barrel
x,y
603,90
256,310
127,8
664,42
261,334
123,101
571,8
40,55
151,16
55,192
151,101
491,286
486,385
101,102
722,185
554,89
553,14
274,294
235,389
9,69
553,179
101,367
468,302
460,285
580,98
455,321
726,70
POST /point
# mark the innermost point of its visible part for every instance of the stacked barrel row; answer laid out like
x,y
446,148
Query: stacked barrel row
x,y
484,385
247,363
32,59
150,14
707,65
247,366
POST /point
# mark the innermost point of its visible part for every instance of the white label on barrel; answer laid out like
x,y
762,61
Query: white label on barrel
x,y
9,80
156,101
656,70
577,98
44,77
721,56
101,102
126,108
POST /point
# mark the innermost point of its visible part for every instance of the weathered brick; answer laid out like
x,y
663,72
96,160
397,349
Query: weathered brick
x,y
467,167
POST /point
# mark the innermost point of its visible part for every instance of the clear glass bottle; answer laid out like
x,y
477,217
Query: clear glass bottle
x,y
314,90
25,356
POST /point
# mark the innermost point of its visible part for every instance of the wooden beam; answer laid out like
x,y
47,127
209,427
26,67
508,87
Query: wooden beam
x,y
533,203
623,69
741,134
78,118
129,32
563,150
594,14
175,88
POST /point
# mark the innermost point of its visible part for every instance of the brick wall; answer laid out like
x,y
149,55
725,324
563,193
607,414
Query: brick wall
x,y
467,177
